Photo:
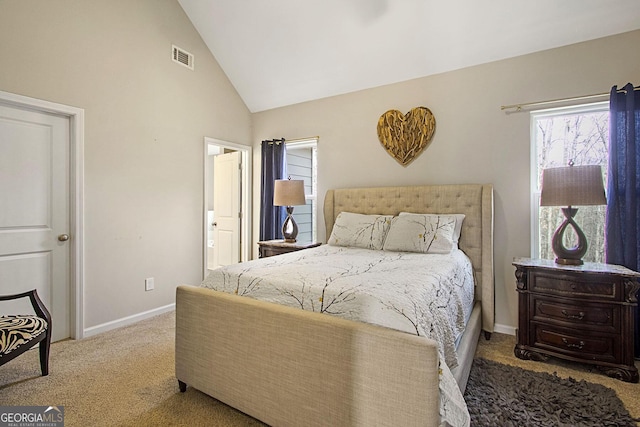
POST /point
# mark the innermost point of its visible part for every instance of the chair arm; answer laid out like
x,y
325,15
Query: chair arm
x,y
36,302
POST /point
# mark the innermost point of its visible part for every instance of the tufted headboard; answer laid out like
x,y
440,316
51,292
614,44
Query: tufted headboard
x,y
473,200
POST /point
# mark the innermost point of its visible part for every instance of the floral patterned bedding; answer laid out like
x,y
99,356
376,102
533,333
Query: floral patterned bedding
x,y
427,295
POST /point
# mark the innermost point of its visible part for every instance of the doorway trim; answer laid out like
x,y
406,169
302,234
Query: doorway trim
x,y
76,196
245,200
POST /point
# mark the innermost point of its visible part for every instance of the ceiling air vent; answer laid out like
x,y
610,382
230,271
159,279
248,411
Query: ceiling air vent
x,y
182,57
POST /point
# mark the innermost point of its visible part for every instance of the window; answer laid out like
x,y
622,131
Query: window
x,y
302,164
558,136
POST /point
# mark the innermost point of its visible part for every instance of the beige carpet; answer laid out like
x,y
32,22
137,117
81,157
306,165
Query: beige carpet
x,y
119,378
126,378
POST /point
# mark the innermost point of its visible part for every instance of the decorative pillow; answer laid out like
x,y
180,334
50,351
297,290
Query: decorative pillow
x,y
429,234
456,231
360,231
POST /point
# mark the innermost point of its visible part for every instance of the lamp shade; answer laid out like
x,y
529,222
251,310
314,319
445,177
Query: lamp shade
x,y
288,192
572,186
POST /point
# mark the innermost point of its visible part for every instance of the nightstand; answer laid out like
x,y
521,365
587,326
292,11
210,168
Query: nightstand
x,y
269,248
582,313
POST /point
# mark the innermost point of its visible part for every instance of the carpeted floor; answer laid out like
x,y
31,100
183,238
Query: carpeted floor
x,y
119,378
126,378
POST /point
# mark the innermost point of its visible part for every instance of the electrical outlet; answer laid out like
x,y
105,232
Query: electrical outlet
x,y
148,284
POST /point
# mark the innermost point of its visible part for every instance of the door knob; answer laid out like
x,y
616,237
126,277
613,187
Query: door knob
x,y
63,237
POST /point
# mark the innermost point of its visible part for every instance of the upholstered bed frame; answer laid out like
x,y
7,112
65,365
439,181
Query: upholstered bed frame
x,y
289,367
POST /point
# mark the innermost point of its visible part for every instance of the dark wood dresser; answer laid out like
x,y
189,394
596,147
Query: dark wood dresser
x,y
581,313
269,248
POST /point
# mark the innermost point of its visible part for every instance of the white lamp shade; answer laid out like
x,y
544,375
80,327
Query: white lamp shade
x,y
288,192
572,186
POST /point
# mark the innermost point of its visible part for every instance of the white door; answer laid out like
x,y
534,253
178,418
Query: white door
x,y
226,205
34,211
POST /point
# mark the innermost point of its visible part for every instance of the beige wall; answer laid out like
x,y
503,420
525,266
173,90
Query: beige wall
x,y
475,142
145,120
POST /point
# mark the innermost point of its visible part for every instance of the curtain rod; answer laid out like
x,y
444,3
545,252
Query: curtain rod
x,y
518,107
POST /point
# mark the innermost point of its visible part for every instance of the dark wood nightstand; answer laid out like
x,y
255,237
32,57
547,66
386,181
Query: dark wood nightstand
x,y
582,313
269,248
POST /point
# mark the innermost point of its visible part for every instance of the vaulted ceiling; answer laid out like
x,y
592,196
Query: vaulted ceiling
x,y
282,52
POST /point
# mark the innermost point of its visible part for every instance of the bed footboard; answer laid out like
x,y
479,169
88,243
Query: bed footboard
x,y
289,367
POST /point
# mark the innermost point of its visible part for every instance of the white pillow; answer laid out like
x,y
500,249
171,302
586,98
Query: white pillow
x,y
456,231
360,231
429,234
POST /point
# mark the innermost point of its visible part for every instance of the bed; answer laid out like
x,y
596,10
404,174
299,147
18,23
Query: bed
x,y
287,366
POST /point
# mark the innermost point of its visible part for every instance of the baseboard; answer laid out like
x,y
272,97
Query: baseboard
x,y
504,329
129,320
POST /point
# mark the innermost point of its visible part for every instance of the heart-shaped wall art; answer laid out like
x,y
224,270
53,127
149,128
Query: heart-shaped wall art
x,y
404,136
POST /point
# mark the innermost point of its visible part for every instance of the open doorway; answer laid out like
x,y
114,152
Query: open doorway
x,y
227,203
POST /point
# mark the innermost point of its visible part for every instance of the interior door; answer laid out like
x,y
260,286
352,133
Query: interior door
x,y
34,212
226,206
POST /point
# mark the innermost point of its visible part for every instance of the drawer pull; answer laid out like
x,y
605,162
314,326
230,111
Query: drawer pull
x,y
578,316
571,345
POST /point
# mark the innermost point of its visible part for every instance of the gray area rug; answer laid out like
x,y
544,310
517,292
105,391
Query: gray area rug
x,y
502,395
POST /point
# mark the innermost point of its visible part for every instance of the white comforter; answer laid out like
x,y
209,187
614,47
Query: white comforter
x,y
428,295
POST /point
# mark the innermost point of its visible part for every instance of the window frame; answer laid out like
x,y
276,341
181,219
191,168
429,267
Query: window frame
x,y
313,197
534,191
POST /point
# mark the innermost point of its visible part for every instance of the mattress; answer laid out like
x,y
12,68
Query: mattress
x,y
424,294
428,295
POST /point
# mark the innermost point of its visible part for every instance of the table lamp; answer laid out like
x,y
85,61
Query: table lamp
x,y
289,193
571,186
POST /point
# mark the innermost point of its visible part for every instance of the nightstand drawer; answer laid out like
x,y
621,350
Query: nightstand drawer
x,y
272,251
574,287
584,315
592,347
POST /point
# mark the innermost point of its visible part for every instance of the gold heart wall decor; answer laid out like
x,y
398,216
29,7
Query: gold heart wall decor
x,y
404,136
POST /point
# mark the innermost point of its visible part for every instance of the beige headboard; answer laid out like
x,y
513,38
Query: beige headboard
x,y
473,200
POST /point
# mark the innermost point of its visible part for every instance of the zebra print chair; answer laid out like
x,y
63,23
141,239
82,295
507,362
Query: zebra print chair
x,y
20,332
